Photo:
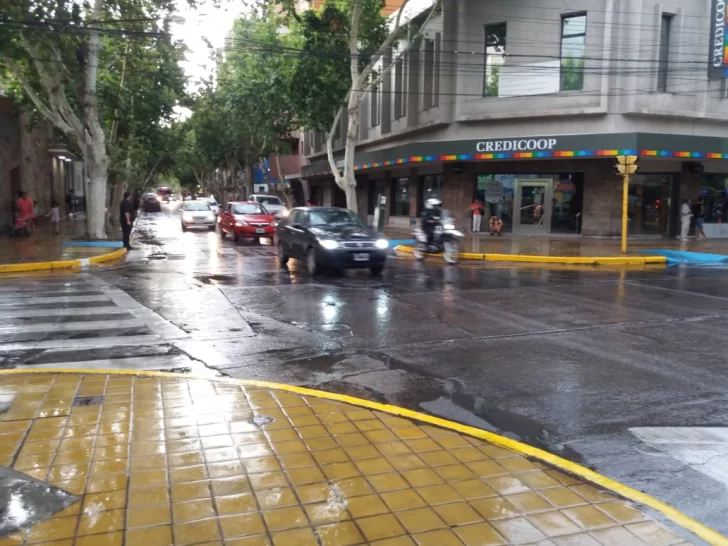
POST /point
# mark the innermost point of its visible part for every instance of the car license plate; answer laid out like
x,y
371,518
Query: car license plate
x,y
260,230
361,257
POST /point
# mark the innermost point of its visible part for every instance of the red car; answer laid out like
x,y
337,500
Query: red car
x,y
245,220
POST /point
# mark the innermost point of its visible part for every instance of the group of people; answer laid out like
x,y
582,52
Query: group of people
x,y
495,222
26,215
689,215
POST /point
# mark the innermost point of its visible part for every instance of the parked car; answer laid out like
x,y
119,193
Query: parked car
x,y
212,203
271,203
150,203
246,220
330,237
196,214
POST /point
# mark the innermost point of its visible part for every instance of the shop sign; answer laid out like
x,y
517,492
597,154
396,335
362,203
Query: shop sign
x,y
518,145
718,66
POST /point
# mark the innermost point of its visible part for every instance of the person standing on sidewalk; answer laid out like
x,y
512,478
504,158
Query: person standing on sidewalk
x,y
476,208
685,216
699,214
126,212
55,215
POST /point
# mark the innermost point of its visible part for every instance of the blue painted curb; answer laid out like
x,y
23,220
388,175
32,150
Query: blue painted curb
x,y
100,244
396,242
688,258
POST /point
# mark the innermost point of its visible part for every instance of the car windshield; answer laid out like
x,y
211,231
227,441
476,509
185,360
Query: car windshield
x,y
210,202
197,206
338,217
248,208
268,200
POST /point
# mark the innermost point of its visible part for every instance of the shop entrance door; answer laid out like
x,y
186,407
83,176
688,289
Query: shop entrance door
x,y
532,205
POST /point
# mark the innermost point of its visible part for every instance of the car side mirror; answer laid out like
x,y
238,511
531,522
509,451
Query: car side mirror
x,y
298,226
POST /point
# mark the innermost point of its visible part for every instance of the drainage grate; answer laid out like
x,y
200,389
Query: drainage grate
x,y
260,420
88,400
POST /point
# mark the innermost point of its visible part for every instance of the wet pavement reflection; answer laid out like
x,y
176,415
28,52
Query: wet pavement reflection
x,y
568,359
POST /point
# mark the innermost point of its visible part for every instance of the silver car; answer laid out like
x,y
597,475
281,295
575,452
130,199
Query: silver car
x,y
196,214
271,203
211,202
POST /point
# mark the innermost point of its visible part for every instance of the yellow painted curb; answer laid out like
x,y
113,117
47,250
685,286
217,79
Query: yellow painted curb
x,y
705,533
61,264
563,260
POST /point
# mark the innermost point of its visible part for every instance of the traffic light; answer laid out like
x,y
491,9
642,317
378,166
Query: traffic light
x,y
627,164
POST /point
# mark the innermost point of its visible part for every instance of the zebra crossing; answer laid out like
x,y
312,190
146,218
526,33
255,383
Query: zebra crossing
x,y
82,322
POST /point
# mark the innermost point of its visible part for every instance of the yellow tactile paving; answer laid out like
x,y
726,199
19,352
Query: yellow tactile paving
x,y
169,461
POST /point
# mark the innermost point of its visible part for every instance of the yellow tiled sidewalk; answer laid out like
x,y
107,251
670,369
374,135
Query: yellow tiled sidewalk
x,y
171,461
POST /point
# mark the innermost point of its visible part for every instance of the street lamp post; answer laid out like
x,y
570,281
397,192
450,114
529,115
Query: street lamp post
x,y
626,166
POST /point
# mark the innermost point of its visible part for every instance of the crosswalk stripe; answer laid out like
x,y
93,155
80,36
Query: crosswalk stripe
x,y
98,342
30,301
72,326
62,311
133,363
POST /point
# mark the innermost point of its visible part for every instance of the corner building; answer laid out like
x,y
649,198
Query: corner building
x,y
526,104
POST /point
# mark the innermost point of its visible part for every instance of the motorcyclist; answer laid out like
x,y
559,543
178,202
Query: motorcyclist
x,y
431,218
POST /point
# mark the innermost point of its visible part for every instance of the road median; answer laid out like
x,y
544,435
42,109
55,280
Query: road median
x,y
560,260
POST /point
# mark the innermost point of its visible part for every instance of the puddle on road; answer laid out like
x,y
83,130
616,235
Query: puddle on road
x,y
377,377
216,279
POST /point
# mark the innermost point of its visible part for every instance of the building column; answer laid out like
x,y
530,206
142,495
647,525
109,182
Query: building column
x,y
602,210
458,191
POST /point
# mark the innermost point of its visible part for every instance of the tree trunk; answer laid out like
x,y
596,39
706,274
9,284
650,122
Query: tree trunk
x,y
282,183
97,160
117,194
96,199
306,186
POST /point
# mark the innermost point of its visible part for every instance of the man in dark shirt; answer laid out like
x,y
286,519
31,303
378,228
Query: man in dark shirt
x,y
126,213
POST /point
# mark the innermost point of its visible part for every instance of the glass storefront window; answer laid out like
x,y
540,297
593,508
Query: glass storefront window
x,y
432,187
714,194
649,204
376,188
401,197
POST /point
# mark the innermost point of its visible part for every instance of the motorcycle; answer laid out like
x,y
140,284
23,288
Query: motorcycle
x,y
446,240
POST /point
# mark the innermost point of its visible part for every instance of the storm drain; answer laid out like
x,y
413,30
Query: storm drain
x,y
88,400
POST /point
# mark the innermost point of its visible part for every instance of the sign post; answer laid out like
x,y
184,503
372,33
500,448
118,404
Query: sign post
x,y
626,165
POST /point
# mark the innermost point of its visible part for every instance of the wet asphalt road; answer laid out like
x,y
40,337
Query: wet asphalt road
x,y
578,362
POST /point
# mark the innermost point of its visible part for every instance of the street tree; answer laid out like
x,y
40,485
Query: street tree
x,y
57,54
327,77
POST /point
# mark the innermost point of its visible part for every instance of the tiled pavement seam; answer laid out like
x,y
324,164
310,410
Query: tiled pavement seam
x,y
186,461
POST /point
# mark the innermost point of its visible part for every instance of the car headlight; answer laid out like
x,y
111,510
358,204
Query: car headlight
x,y
329,244
449,226
382,244
241,223
284,213
186,217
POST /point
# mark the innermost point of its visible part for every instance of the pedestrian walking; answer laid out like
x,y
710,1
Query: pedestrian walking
x,y
699,214
685,216
24,216
55,215
476,208
126,212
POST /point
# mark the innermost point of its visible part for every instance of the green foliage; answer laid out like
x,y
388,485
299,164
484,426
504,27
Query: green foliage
x,y
322,76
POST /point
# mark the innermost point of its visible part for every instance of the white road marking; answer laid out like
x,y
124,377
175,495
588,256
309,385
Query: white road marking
x,y
704,449
10,302
167,362
85,343
55,327
71,311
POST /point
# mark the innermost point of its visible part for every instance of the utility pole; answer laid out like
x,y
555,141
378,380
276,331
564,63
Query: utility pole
x,y
626,166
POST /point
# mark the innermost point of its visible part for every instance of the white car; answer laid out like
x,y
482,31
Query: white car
x,y
211,202
197,214
271,203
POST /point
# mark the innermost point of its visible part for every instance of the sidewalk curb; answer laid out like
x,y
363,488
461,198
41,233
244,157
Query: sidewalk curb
x,y
685,522
568,260
61,264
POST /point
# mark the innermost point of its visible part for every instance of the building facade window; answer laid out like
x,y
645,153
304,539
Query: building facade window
x,y
664,60
428,97
573,45
495,55
374,111
400,83
401,197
